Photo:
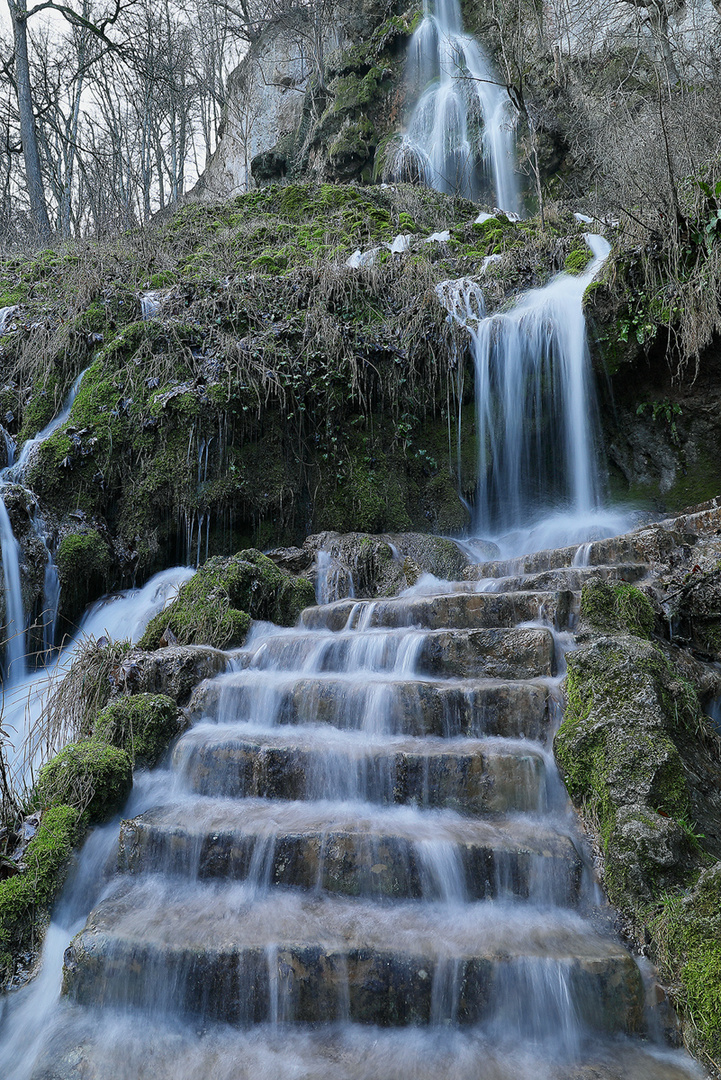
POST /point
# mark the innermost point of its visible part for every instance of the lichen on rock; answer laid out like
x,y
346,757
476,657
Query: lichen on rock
x,y
641,762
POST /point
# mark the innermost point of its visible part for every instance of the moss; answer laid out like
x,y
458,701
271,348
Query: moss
x,y
617,751
216,606
617,606
25,898
577,260
143,725
687,930
89,775
84,561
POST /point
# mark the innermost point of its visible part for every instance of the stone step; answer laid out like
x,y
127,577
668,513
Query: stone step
x,y
354,850
86,1045
378,703
500,653
564,578
476,776
457,610
216,954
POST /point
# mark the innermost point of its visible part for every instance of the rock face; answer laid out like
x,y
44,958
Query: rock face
x,y
324,96
617,750
309,98
266,97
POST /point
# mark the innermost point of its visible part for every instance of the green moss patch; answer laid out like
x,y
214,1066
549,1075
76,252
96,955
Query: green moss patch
x,y
25,899
143,725
617,606
216,606
577,260
84,561
89,775
688,932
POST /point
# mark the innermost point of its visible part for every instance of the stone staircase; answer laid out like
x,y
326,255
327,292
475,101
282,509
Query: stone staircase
x,y
361,863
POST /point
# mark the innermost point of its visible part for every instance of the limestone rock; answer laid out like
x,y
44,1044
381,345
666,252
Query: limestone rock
x,y
364,565
174,671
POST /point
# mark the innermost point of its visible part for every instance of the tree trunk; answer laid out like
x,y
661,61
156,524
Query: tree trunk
x,y
31,155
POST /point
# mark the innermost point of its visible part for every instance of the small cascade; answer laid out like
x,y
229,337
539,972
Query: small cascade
x,y
360,852
16,616
333,580
16,470
122,616
149,305
14,630
536,415
5,316
460,135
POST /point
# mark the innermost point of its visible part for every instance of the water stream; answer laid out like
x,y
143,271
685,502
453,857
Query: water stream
x,y
536,417
122,616
16,618
359,861
460,135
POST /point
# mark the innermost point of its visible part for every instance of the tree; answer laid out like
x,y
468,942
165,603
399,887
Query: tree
x,y
19,16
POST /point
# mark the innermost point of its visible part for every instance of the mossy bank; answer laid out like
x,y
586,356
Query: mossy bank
x,y
642,763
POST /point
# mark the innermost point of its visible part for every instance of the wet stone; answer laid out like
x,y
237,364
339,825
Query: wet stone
x,y
498,653
379,856
458,610
217,957
474,776
397,706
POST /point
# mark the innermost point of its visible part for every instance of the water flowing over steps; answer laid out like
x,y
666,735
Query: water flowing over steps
x,y
348,848
496,652
221,954
383,703
362,864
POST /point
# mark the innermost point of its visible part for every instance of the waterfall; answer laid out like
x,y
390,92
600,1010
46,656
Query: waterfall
x,y
16,472
14,613
460,134
536,414
121,616
15,616
357,861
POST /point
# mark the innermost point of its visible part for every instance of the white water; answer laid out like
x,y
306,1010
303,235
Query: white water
x,y
122,616
460,134
536,414
14,629
16,617
347,703
149,305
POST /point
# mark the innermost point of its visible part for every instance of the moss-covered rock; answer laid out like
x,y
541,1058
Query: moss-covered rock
x,y
688,932
376,565
216,606
143,725
609,605
84,561
617,751
26,897
577,260
643,765
89,775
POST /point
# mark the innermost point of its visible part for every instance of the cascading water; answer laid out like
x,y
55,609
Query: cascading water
x,y
460,135
536,414
122,616
359,861
15,615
